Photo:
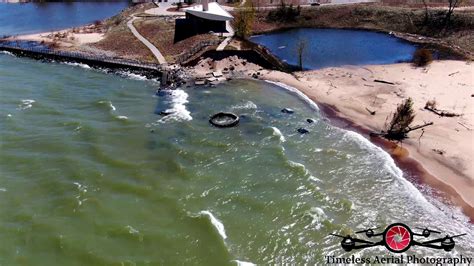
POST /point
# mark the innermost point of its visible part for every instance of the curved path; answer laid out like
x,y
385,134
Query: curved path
x,y
228,38
161,59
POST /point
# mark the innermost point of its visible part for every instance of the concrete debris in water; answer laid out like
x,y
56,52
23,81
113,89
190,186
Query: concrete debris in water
x,y
287,111
303,130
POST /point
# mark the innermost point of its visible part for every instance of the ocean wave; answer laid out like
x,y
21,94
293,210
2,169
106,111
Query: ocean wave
x,y
299,167
277,133
391,167
134,76
109,104
247,105
113,110
297,92
121,117
243,263
7,53
26,104
178,111
216,223
81,65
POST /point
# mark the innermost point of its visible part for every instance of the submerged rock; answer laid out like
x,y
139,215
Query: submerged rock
x,y
303,130
309,120
287,111
165,113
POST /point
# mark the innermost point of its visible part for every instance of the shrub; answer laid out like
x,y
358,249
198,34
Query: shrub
x,y
422,57
284,13
244,19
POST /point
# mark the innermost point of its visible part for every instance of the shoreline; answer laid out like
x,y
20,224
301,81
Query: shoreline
x,y
458,187
401,156
449,175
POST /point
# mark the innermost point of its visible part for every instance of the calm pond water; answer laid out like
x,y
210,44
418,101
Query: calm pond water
x,y
336,47
39,17
90,174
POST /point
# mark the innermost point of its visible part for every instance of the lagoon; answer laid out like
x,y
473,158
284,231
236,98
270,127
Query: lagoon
x,y
336,47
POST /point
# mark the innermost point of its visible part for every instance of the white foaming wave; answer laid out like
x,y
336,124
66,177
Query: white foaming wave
x,y
317,217
121,117
216,223
108,103
134,76
81,65
243,263
113,110
178,111
298,166
26,104
277,132
247,105
7,53
390,165
297,92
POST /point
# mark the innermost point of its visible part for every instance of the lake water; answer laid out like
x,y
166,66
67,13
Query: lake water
x,y
40,17
90,174
336,47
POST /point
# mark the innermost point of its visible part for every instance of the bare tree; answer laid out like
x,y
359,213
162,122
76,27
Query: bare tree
x,y
453,4
300,49
425,3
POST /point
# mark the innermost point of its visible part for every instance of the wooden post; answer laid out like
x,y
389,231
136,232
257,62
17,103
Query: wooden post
x,y
164,77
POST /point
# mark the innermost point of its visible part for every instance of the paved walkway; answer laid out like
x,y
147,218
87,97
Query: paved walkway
x,y
161,59
229,35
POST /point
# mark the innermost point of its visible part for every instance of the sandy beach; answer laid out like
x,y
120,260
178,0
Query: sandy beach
x,y
444,150
64,38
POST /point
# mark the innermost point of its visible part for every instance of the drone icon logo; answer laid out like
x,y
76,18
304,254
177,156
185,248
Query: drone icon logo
x,y
398,238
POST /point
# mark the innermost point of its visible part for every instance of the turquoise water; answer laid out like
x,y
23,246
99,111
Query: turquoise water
x,y
46,16
336,47
91,175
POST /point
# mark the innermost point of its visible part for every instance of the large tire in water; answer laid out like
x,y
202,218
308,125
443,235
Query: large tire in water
x,y
224,120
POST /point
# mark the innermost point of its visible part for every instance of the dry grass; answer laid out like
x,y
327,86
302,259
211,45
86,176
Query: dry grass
x,y
160,32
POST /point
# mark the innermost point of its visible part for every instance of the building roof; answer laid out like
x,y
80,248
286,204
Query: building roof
x,y
214,12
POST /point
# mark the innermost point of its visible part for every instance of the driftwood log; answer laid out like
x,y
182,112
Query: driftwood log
x,y
441,112
370,111
399,135
383,81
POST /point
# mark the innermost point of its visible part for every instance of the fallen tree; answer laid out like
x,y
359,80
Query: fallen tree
x,y
399,125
